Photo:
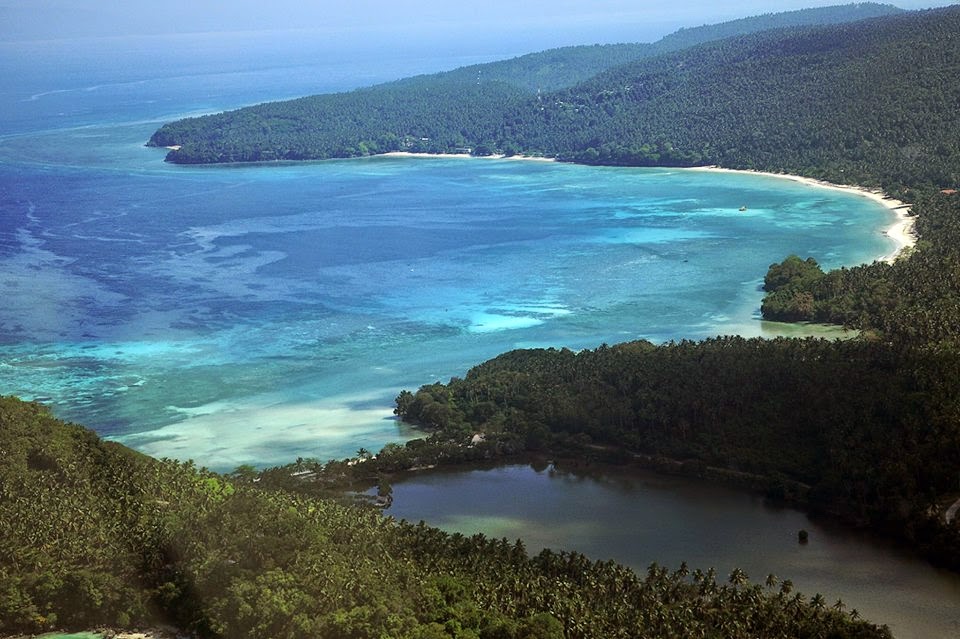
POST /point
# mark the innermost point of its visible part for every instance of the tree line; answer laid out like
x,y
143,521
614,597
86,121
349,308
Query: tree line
x,y
866,429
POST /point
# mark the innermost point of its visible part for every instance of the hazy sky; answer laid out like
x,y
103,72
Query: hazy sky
x,y
553,21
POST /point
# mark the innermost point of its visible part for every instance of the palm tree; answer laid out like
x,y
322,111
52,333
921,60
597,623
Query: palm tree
x,y
738,577
818,602
786,587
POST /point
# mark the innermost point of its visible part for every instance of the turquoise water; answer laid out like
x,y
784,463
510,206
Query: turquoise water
x,y
257,314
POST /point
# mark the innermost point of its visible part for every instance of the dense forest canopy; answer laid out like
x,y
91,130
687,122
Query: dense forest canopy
x,y
568,66
870,103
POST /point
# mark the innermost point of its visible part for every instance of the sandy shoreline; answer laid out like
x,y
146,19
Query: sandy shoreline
x,y
901,231
410,154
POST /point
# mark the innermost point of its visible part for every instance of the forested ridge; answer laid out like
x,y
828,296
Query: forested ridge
x,y
94,534
646,111
870,103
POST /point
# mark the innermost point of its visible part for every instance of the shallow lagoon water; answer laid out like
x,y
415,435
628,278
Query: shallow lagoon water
x,y
255,314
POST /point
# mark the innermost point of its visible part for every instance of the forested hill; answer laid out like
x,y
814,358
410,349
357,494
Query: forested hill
x,y
567,66
871,102
93,534
484,108
693,36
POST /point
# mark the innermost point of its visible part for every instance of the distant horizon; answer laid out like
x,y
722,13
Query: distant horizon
x,y
416,24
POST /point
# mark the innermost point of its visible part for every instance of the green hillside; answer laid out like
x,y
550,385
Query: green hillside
x,y
93,534
567,66
872,103
692,36
484,108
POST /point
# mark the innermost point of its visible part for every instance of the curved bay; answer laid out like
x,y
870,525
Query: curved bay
x,y
261,313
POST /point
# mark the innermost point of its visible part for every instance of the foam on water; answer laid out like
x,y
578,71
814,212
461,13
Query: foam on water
x,y
489,322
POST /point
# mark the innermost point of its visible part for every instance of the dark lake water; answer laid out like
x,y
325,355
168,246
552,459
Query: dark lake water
x,y
637,518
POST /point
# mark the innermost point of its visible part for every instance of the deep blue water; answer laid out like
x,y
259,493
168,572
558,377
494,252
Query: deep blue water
x,y
256,314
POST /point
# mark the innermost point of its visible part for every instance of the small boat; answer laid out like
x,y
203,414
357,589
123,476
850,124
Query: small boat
x,y
742,209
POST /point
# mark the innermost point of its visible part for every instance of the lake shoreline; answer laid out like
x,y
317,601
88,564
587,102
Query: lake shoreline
x,y
617,512
436,459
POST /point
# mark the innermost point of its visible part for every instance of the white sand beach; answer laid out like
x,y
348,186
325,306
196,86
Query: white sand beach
x,y
410,154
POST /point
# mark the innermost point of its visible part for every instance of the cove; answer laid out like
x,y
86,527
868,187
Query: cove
x,y
637,517
257,314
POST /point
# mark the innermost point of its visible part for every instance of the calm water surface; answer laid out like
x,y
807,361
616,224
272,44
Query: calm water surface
x,y
638,518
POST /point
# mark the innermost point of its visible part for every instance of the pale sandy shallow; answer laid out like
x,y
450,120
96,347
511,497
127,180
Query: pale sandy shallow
x,y
901,231
267,427
264,428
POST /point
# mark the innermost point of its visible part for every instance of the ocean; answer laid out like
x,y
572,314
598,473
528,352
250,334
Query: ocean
x,y
256,314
